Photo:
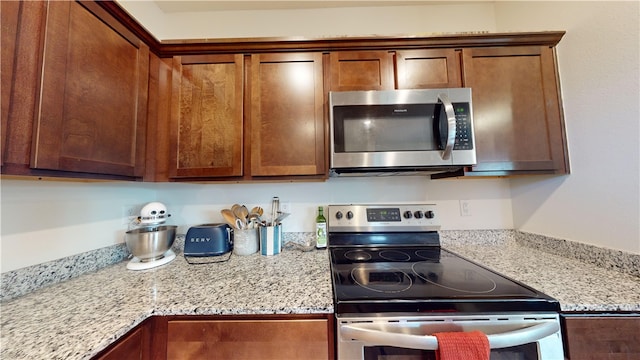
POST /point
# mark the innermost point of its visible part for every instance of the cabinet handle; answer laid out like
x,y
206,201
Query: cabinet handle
x,y
451,125
369,334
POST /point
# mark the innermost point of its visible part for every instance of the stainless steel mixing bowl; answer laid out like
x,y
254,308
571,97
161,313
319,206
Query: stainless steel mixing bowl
x,y
151,242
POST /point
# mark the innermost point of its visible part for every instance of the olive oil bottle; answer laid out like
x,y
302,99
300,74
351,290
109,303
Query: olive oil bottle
x,y
321,229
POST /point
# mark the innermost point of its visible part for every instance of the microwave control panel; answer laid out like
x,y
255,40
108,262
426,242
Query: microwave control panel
x,y
464,140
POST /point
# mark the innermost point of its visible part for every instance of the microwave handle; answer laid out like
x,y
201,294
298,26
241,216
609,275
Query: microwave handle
x,y
451,125
374,337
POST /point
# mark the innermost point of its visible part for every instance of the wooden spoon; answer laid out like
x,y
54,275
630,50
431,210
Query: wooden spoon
x,y
240,213
257,210
229,217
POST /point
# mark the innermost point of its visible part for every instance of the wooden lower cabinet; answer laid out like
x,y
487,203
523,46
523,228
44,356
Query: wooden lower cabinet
x,y
602,337
229,337
250,338
132,346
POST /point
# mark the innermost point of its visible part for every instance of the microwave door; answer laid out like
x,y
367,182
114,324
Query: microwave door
x,y
445,125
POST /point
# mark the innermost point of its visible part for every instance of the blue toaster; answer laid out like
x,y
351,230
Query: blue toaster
x,y
208,240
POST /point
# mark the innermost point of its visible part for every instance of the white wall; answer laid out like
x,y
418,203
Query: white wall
x,y
46,220
43,221
599,59
343,21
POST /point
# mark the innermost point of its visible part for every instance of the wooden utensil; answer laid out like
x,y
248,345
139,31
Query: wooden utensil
x,y
243,213
229,217
257,210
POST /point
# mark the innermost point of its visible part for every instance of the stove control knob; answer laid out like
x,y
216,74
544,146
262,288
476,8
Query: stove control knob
x,y
349,215
418,214
339,215
407,214
429,214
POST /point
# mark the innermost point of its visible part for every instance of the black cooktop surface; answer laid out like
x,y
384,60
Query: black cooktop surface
x,y
424,279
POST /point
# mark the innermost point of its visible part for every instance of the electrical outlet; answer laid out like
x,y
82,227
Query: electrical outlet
x,y
285,206
465,208
129,213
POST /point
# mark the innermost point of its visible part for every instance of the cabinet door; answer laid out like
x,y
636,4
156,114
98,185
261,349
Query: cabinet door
x,y
206,116
361,70
428,68
248,339
602,338
9,11
22,35
93,99
130,347
516,110
287,126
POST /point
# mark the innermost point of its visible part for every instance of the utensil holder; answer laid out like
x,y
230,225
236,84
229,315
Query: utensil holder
x,y
245,242
270,240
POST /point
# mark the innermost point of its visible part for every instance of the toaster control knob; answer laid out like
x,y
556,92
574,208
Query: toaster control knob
x,y
349,215
429,214
407,214
339,215
418,214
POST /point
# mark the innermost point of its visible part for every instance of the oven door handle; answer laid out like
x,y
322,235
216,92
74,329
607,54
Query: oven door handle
x,y
369,334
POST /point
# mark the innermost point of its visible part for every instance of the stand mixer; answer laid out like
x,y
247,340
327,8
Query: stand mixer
x,y
148,240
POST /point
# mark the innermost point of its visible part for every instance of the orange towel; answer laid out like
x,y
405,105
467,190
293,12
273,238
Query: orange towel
x,y
472,345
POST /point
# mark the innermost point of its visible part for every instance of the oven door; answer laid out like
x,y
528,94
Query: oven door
x,y
512,337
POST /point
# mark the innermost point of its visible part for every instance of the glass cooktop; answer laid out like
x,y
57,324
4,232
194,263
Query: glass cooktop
x,y
424,279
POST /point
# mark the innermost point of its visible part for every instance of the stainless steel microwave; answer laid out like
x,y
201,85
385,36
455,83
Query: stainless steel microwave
x,y
401,131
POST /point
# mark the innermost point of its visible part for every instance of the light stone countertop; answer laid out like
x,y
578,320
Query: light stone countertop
x,y
578,286
77,318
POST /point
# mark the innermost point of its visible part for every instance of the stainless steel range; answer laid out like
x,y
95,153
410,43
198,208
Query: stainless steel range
x,y
394,285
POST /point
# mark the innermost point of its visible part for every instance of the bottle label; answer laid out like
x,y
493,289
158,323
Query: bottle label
x,y
321,235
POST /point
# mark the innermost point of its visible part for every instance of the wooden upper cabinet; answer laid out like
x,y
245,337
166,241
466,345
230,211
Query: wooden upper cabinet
x,y
516,110
361,70
9,11
206,127
92,111
286,123
428,69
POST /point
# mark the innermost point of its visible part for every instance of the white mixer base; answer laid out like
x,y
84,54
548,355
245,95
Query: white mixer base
x,y
136,264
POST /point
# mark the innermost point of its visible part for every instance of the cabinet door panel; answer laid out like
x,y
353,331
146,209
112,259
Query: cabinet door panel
x,y
248,339
287,115
361,70
428,68
206,121
92,113
517,116
601,338
10,12
128,348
